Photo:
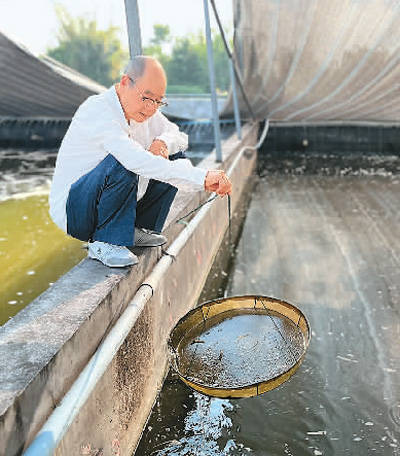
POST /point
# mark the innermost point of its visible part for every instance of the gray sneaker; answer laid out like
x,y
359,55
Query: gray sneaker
x,y
113,256
148,238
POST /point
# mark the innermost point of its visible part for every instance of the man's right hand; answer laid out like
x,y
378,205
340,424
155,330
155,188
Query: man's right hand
x,y
217,181
159,147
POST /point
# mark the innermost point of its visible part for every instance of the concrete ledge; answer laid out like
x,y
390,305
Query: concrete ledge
x,y
46,345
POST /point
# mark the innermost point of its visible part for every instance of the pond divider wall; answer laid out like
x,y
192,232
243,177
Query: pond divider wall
x,y
331,149
368,138
47,344
32,133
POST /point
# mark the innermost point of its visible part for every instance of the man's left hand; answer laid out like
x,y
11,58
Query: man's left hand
x,y
158,147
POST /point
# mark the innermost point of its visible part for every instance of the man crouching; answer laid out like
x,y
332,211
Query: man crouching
x,y
120,165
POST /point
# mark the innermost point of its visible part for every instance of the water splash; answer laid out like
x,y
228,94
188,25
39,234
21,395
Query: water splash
x,y
204,426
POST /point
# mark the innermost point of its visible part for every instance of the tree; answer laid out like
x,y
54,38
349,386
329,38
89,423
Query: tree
x,y
221,64
161,34
186,65
95,53
155,49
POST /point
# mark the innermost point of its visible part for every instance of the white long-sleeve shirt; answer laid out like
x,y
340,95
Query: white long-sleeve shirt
x,y
99,127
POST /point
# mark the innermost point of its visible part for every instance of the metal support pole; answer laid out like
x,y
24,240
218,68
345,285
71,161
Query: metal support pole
x,y
214,102
133,26
235,101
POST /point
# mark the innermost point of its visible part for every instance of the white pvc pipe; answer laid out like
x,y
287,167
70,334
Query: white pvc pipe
x,y
54,429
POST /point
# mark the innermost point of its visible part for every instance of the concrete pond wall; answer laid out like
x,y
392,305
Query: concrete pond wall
x,y
45,347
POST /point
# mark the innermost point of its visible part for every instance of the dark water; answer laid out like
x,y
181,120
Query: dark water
x,y
331,246
240,348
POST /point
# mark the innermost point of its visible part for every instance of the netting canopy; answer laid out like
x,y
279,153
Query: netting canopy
x,y
319,60
35,87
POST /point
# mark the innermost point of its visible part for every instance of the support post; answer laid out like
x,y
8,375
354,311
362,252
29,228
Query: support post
x,y
214,102
133,26
235,100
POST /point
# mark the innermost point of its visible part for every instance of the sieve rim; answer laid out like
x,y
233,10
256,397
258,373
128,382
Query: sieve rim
x,y
251,389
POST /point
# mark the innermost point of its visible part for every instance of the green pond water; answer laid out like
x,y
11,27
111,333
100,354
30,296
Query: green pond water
x,y
34,252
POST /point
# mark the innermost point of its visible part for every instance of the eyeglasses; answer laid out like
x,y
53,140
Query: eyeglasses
x,y
147,101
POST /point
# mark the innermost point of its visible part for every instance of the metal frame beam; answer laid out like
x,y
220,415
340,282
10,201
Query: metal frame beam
x,y
133,27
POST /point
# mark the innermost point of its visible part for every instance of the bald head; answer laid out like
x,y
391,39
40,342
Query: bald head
x,y
144,76
139,65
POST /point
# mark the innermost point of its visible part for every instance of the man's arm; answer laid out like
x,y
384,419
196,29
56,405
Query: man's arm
x,y
180,173
110,135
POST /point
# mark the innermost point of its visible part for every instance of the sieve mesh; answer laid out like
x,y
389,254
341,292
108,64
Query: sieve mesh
x,y
234,343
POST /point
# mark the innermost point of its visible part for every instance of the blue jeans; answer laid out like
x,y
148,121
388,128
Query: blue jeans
x,y
102,204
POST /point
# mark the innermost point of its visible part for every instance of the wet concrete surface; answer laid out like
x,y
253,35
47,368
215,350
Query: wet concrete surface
x,y
331,246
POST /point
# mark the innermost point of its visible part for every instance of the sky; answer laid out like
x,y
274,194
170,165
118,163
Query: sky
x,y
34,23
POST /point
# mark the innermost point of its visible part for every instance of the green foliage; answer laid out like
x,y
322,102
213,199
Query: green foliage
x,y
161,37
185,89
162,34
100,55
95,53
187,64
221,64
